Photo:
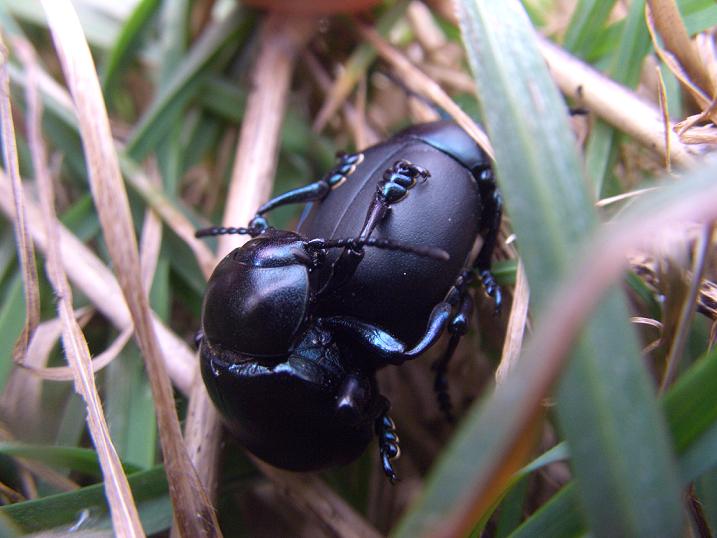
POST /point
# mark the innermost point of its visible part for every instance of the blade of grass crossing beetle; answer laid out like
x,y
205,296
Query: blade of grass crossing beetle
x,y
617,437
607,408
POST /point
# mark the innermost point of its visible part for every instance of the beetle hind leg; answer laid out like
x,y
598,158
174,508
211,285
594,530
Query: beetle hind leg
x,y
490,225
457,328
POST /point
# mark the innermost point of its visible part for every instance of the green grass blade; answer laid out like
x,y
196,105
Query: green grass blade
x,y
183,86
691,410
130,409
620,450
698,15
83,460
63,510
12,320
128,42
625,66
587,26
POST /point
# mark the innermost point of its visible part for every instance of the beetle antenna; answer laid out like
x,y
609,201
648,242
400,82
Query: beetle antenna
x,y
223,230
386,244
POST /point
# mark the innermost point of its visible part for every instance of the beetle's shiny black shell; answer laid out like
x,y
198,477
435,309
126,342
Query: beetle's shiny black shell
x,y
257,297
395,290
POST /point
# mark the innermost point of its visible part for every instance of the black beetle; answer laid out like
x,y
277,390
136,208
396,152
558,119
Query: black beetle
x,y
293,329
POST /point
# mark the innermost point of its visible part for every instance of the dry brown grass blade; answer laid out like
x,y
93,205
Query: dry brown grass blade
x,y
150,244
26,251
171,216
614,103
423,85
125,518
352,116
664,17
662,101
192,511
517,324
678,339
63,373
672,61
96,281
311,495
90,275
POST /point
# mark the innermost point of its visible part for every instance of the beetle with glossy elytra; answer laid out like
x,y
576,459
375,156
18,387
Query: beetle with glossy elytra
x,y
295,324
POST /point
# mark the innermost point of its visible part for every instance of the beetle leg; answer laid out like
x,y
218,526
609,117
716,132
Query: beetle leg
x,y
388,443
457,328
382,345
490,223
397,181
313,192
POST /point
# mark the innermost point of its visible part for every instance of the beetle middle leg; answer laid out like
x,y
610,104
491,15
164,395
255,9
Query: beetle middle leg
x,y
397,180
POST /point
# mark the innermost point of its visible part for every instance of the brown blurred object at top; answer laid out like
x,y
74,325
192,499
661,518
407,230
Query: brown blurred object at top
x,y
313,7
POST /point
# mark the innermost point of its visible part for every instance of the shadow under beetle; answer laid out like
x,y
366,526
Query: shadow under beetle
x,y
295,324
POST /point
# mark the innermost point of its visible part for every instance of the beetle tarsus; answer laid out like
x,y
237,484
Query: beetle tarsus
x,y
398,179
491,288
388,445
440,381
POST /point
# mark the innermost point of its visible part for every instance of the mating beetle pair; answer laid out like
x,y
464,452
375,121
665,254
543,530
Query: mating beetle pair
x,y
295,324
